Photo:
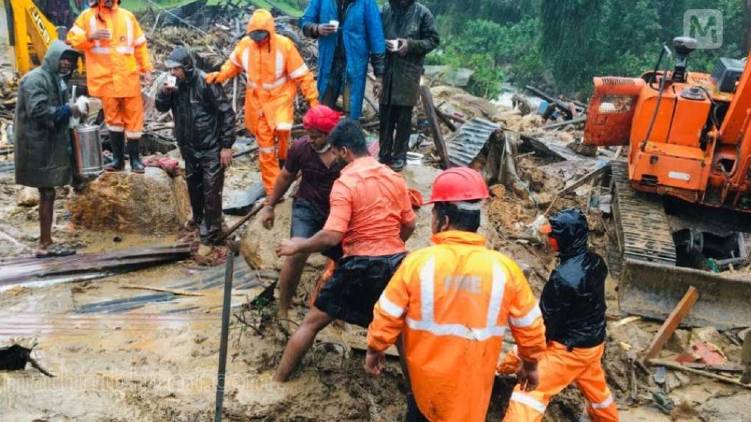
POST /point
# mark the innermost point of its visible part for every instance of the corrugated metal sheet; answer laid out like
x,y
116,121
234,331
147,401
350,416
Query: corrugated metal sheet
x,y
466,143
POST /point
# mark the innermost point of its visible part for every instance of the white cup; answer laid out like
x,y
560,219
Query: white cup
x,y
171,81
392,45
335,24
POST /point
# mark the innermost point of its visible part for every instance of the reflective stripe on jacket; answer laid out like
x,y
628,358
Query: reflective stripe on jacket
x,y
112,66
274,70
452,302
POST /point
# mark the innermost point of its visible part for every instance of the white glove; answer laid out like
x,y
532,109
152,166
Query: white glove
x,y
83,104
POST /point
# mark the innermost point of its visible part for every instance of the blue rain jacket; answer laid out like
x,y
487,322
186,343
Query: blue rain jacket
x,y
363,37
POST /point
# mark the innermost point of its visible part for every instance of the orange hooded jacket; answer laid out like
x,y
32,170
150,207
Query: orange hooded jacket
x,y
274,70
112,66
452,303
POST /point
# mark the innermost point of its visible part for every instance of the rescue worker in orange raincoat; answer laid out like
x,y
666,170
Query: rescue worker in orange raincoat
x,y
573,307
116,54
452,303
274,69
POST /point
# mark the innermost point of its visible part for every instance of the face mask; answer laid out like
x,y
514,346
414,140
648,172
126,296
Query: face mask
x,y
553,242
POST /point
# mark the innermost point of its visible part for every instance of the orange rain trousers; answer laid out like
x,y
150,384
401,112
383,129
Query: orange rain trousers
x,y
124,114
272,147
557,369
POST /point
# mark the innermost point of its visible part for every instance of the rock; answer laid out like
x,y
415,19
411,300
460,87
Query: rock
x,y
679,342
731,408
27,197
581,149
128,202
257,244
498,191
184,212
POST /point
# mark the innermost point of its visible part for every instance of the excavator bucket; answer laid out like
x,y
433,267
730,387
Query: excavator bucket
x,y
651,282
653,289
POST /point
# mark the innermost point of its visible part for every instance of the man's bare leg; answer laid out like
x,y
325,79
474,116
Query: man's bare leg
x,y
46,209
289,278
315,321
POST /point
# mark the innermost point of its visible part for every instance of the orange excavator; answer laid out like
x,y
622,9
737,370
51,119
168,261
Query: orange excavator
x,y
682,199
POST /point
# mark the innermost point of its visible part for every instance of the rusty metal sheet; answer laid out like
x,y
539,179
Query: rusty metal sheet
x,y
467,142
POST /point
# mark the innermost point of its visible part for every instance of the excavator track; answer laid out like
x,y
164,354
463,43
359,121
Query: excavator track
x,y
642,227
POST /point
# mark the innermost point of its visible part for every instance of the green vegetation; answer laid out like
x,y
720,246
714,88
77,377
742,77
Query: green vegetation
x,y
562,44
291,7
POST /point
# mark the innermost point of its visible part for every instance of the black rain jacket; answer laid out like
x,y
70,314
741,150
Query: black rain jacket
x,y
203,115
573,300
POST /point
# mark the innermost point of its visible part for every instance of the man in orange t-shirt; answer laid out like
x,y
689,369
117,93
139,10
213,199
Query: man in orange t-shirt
x,y
371,216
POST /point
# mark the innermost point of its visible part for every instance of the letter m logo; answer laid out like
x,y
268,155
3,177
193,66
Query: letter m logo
x,y
704,25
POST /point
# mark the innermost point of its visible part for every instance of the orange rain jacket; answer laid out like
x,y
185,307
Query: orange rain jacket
x,y
273,72
112,66
452,302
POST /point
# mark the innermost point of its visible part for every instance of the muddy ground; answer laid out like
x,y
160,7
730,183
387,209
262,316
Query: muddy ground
x,y
125,354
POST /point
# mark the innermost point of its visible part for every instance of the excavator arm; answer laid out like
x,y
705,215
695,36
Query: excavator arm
x,y
30,33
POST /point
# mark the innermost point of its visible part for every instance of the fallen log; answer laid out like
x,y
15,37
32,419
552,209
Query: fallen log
x,y
435,127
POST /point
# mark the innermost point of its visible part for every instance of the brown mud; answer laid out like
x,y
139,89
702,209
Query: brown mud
x,y
122,354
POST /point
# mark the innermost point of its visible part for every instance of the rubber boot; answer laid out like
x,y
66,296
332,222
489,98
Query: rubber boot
x,y
117,142
136,166
399,162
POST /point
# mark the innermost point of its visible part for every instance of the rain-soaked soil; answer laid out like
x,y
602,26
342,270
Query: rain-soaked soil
x,y
125,354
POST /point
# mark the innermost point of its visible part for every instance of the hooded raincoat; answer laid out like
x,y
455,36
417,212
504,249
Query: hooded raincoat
x,y
43,153
573,307
362,35
274,70
573,299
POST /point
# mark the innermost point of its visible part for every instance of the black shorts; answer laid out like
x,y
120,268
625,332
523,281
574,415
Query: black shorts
x,y
355,287
307,220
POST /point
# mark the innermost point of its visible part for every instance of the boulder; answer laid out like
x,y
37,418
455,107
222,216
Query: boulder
x,y
27,197
148,203
258,245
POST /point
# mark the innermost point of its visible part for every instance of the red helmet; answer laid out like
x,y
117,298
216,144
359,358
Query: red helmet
x,y
321,118
458,184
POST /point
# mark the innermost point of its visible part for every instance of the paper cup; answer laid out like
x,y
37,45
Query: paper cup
x,y
335,24
392,45
171,81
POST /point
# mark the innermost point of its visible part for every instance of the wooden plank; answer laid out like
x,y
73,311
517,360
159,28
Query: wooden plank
x,y
671,324
435,127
